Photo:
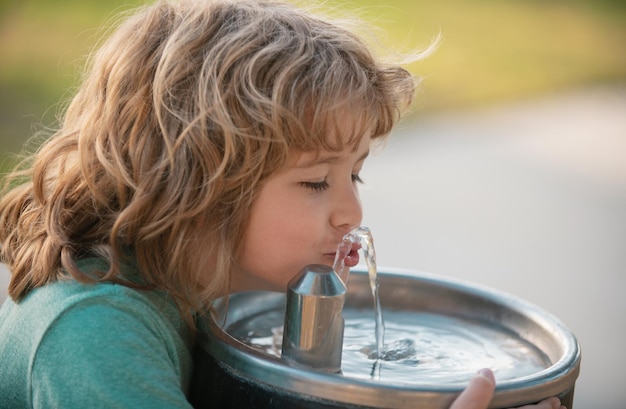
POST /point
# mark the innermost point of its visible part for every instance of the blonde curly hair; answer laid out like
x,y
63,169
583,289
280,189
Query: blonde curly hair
x,y
183,113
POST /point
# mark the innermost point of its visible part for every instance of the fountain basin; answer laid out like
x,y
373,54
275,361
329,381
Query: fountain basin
x,y
534,354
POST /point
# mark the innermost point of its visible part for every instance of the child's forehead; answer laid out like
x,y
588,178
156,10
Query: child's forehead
x,y
337,130
354,149
309,159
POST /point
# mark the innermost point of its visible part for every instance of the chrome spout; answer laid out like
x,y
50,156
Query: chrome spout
x,y
313,327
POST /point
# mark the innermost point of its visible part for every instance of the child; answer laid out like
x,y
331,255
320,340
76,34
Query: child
x,y
214,146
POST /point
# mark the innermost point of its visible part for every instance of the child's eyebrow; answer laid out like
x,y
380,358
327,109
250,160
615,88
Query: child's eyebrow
x,y
329,159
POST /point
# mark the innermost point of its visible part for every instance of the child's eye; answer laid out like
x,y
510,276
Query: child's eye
x,y
315,186
356,178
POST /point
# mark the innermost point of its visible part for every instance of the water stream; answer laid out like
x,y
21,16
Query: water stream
x,y
363,236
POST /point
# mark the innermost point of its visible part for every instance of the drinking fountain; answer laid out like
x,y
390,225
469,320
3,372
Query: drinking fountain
x,y
314,347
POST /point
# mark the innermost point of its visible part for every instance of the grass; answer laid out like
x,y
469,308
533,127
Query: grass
x,y
492,51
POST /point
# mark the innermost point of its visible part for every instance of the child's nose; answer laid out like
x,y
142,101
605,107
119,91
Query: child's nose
x,y
347,210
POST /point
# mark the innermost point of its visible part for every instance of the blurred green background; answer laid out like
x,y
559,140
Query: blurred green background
x,y
492,51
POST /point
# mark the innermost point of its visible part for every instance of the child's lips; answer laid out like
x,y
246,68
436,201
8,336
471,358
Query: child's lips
x,y
349,252
352,259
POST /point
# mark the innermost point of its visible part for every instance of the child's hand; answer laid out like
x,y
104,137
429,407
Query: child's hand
x,y
480,390
478,393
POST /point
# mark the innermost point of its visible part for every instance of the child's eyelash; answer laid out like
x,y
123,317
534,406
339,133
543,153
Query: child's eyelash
x,y
315,186
356,178
323,185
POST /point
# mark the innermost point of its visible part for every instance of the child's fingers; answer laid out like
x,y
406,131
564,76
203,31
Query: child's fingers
x,y
478,393
481,388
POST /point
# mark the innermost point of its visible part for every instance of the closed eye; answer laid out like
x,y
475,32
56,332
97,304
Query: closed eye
x,y
315,186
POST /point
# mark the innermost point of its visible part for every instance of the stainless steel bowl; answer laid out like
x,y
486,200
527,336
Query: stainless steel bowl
x,y
231,373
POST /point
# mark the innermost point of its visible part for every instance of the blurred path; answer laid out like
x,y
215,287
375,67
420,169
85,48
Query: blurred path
x,y
529,199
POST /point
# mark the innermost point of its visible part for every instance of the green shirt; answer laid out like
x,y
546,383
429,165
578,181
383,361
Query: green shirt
x,y
72,345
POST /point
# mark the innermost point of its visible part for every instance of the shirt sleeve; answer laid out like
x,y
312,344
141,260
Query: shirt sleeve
x,y
99,355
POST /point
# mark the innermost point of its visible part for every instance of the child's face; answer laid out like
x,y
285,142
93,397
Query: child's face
x,y
300,217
